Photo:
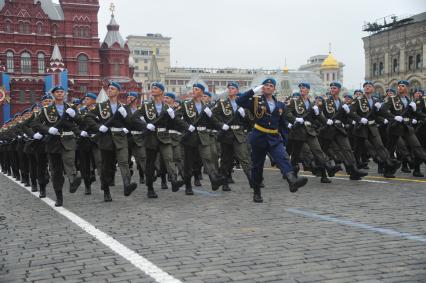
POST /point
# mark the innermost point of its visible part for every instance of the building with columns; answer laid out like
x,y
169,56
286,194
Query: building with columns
x,y
395,50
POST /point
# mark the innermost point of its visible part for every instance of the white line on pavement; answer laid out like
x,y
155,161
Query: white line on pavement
x,y
137,260
350,223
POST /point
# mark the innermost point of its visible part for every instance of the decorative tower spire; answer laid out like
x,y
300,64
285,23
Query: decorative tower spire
x,y
56,62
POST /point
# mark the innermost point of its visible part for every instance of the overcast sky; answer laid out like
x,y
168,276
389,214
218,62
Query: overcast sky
x,y
257,33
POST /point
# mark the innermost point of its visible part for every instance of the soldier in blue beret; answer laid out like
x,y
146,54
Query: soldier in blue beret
x,y
199,86
233,84
114,84
56,88
158,85
390,92
404,82
91,95
336,84
303,84
265,137
366,83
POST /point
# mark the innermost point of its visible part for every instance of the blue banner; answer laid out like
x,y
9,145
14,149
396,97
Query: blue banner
x,y
5,82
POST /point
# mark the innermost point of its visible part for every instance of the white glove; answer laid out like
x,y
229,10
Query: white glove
x,y
346,108
103,129
125,130
142,118
414,121
171,113
354,122
242,112
330,122
385,121
122,111
258,89
84,134
150,127
300,120
70,112
225,127
191,128
290,125
25,136
53,131
316,110
377,105
364,121
19,136
413,105
398,118
37,136
208,111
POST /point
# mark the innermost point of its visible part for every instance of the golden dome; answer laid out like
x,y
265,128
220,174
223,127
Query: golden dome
x,y
285,70
330,62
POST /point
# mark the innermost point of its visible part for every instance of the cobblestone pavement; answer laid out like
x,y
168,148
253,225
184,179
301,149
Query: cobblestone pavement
x,y
346,231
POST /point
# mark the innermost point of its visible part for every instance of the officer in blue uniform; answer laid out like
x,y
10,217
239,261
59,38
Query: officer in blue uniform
x,y
265,138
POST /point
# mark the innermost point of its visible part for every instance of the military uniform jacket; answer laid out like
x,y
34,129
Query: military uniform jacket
x,y
264,117
297,109
136,127
338,115
200,121
393,106
360,108
102,114
85,143
49,117
162,122
224,112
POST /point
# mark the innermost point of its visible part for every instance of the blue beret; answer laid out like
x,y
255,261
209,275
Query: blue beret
x,y
358,90
171,95
391,90
367,83
348,96
34,106
17,115
59,87
208,93
76,101
404,82
46,96
270,81
233,84
133,94
159,85
336,84
296,94
419,90
91,95
115,84
303,84
200,86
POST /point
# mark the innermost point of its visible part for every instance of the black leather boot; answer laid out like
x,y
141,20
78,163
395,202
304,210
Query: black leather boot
x,y
257,195
217,181
188,188
34,186
324,178
177,184
128,187
164,182
42,190
59,198
355,173
151,193
332,168
295,182
404,167
226,188
416,172
74,183
107,194
88,187
197,181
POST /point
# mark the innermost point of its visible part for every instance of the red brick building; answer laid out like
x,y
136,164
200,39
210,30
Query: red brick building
x,y
29,31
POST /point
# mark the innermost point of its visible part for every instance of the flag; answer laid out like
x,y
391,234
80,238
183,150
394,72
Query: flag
x,y
5,95
55,79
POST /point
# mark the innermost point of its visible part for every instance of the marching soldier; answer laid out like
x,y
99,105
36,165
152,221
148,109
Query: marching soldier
x,y
401,114
233,140
420,100
303,116
57,123
110,119
335,113
159,119
364,111
265,137
199,117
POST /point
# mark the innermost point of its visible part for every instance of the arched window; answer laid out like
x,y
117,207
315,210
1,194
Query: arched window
x,y
8,27
410,63
25,63
82,65
116,69
9,61
395,66
418,61
374,69
40,63
54,30
381,68
24,27
75,31
39,28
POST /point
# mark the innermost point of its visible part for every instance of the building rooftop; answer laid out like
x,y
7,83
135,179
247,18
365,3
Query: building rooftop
x,y
53,10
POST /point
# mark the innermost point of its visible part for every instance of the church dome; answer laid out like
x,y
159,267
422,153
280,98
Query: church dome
x,y
330,62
